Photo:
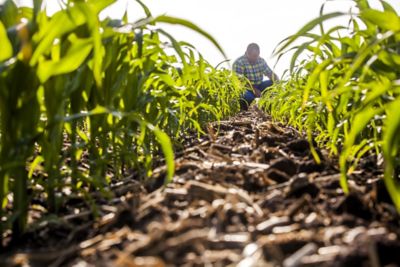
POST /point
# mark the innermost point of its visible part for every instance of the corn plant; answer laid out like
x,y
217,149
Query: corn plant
x,y
344,88
85,101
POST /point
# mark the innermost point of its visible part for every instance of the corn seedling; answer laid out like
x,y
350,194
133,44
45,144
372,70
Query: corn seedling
x,y
346,91
84,101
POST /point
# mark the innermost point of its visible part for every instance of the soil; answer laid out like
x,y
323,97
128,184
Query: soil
x,y
248,193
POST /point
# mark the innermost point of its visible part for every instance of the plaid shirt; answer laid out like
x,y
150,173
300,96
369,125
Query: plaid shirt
x,y
255,73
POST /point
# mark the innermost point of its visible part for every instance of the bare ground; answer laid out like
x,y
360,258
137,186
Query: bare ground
x,y
249,193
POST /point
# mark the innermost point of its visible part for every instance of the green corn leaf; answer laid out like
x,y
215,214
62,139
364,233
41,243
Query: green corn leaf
x,y
9,13
384,19
25,12
176,46
313,79
95,111
190,25
37,5
359,60
388,7
324,81
363,4
321,13
33,166
167,79
75,56
145,8
4,186
378,88
359,123
166,147
6,50
390,149
99,5
390,59
60,23
94,27
309,26
390,183
99,110
312,148
297,53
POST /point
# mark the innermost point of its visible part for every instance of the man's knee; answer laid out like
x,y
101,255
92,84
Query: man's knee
x,y
249,96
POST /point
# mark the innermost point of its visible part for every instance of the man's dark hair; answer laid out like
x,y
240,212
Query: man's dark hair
x,y
253,47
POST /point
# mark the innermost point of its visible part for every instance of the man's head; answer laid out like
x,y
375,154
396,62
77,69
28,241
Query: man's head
x,y
253,53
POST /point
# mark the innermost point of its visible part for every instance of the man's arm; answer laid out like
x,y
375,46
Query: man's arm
x,y
269,73
273,77
257,92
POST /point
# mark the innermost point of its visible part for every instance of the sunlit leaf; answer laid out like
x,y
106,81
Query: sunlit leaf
x,y
309,26
60,23
166,146
9,13
190,25
6,50
385,20
75,56
34,165
390,150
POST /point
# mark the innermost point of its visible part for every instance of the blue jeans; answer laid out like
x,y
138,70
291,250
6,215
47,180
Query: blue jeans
x,y
249,94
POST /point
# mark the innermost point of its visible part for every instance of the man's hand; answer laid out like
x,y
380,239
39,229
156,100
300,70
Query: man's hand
x,y
257,92
275,78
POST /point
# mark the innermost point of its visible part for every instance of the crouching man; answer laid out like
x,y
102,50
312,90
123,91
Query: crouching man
x,y
254,68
